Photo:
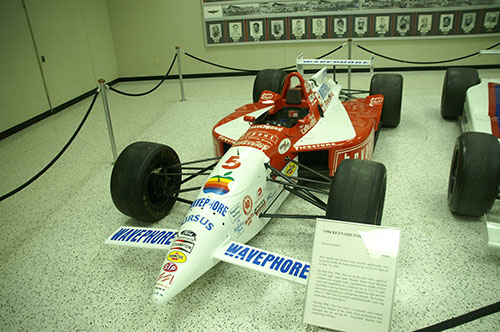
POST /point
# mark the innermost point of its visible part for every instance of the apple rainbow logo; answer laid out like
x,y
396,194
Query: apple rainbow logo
x,y
218,184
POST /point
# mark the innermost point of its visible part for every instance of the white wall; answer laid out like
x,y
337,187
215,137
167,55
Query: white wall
x,y
74,35
150,29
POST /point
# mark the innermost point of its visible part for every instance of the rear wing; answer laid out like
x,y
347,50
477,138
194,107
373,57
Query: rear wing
x,y
300,62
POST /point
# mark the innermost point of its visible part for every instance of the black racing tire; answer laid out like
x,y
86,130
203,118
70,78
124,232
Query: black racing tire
x,y
139,188
474,174
357,193
268,79
391,87
456,83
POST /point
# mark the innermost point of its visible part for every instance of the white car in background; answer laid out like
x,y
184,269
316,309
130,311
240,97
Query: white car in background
x,y
475,169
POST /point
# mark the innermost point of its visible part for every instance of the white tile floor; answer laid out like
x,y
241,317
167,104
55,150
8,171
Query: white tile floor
x,y
57,275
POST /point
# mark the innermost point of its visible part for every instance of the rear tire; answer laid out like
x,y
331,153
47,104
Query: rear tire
x,y
474,174
139,188
456,83
391,87
268,79
357,193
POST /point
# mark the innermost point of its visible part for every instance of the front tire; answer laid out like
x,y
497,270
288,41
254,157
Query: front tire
x,y
456,83
357,193
140,187
474,174
391,87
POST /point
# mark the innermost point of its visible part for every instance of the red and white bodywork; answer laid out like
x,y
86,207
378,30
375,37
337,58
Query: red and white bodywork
x,y
482,108
227,211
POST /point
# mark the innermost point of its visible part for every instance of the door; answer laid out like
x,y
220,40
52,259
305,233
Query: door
x,y
61,40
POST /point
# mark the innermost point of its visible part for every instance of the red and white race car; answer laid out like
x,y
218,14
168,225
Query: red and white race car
x,y
294,127
475,169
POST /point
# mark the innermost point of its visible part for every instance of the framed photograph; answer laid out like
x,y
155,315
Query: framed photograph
x,y
319,27
490,21
468,22
340,26
404,25
446,23
382,25
214,33
235,31
256,30
298,28
277,29
424,24
361,26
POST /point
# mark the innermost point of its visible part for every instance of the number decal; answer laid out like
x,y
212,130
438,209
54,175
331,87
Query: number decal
x,y
232,163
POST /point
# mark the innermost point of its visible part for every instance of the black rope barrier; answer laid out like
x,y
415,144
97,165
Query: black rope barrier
x,y
147,92
463,319
423,62
52,162
252,71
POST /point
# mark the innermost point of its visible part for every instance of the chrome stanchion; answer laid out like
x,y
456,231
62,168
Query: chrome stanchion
x,y
349,57
102,88
179,69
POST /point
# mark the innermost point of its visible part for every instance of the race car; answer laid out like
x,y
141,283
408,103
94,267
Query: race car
x,y
475,168
260,148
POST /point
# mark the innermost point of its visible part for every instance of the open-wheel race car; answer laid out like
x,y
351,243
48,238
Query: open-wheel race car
x,y
475,169
294,127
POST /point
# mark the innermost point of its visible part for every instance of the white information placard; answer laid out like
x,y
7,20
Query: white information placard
x,y
352,279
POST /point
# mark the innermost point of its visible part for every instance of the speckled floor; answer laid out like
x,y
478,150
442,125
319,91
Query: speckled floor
x,y
57,275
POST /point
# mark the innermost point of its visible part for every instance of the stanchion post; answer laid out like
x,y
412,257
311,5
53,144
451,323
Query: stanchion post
x,y
179,69
349,57
102,88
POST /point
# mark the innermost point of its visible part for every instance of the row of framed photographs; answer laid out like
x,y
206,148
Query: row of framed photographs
x,y
353,26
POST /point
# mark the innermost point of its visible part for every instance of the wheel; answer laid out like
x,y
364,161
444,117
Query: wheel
x,y
357,193
391,87
456,83
268,79
474,174
140,187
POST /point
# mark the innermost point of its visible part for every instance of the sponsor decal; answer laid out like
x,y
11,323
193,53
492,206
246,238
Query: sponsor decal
x,y
239,228
375,101
268,260
211,204
170,267
176,257
266,96
249,220
255,144
164,281
308,126
284,146
267,127
199,219
290,169
235,213
189,234
247,205
316,146
259,192
181,244
218,185
139,235
324,91
260,206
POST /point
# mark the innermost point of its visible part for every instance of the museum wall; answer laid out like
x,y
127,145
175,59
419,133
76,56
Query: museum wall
x,y
146,32
77,48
